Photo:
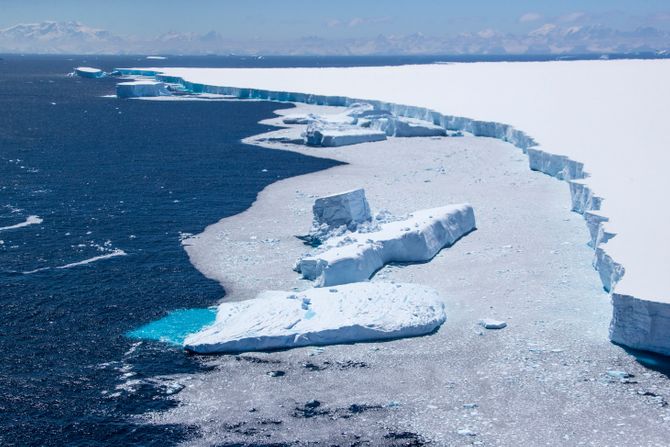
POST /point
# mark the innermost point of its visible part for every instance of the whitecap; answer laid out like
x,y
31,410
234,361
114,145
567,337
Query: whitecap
x,y
30,220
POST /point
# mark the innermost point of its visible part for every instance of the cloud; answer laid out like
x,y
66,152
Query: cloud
x,y
572,17
530,17
356,22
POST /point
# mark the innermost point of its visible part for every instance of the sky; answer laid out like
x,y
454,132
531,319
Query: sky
x,y
293,19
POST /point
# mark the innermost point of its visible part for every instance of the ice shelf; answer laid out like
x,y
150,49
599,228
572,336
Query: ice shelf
x,y
349,314
584,119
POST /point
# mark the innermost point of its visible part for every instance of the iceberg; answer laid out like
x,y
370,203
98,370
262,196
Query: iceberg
x,y
331,135
89,72
348,208
134,89
355,257
316,317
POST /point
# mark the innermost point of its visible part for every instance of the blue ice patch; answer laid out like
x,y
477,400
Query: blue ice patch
x,y
309,314
176,326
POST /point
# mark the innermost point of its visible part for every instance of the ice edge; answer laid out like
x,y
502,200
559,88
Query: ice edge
x,y
630,314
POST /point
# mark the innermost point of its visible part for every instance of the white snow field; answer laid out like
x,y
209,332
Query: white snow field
x,y
354,257
597,124
350,313
144,88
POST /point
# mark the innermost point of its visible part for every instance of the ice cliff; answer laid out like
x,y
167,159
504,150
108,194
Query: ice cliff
x,y
351,313
135,89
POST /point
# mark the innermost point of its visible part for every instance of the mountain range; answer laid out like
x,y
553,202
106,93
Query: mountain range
x,y
73,37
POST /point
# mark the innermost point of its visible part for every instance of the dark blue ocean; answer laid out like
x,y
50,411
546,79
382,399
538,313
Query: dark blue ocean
x,y
114,185
106,176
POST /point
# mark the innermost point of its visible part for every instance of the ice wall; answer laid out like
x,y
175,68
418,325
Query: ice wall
x,y
584,199
136,89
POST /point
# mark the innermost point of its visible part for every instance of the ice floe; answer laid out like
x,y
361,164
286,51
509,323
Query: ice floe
x,y
351,313
356,256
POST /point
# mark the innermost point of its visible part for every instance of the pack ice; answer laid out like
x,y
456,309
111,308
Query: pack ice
x,y
355,257
351,313
134,89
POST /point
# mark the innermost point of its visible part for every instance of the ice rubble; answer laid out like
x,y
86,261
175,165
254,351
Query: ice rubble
x,y
354,257
134,89
582,116
351,313
89,72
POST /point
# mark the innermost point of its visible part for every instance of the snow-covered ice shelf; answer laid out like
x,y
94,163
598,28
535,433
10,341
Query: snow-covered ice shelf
x,y
351,313
355,257
605,116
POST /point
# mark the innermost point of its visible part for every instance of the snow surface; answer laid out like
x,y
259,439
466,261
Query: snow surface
x,y
351,313
142,88
356,256
607,117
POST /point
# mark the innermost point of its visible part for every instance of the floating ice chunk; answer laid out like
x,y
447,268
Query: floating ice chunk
x,y
141,88
157,58
490,323
89,72
331,135
407,127
356,256
345,208
355,313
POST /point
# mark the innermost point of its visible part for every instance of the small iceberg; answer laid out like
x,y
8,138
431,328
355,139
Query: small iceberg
x,y
349,314
89,72
157,58
355,257
176,326
143,88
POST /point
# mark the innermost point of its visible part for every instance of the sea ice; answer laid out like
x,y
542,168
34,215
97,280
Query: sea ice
x,y
141,88
355,257
354,313
89,72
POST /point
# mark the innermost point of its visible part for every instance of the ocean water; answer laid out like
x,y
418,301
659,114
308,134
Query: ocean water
x,y
95,195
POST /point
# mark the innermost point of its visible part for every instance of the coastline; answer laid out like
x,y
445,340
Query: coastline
x,y
527,263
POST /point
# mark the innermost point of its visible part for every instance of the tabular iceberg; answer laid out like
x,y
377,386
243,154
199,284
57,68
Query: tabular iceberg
x,y
89,72
352,313
355,257
134,89
332,135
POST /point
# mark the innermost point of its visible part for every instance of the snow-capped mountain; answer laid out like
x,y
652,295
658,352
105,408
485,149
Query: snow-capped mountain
x,y
549,38
58,37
